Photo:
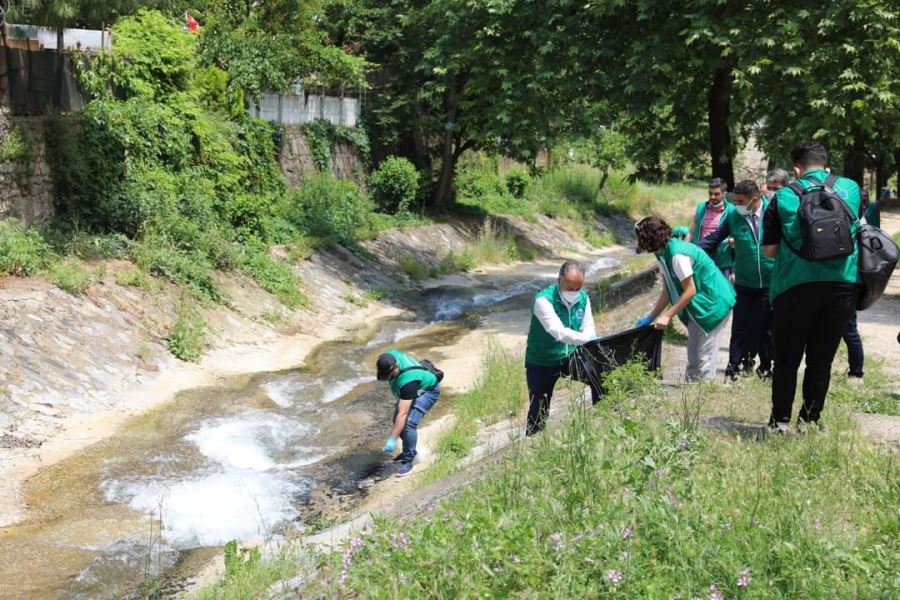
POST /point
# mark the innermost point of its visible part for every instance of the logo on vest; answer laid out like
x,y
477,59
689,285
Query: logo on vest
x,y
579,313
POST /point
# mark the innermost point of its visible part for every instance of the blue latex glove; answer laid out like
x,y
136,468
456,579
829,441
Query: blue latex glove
x,y
391,444
647,320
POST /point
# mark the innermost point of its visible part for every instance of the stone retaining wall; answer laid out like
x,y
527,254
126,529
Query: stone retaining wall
x,y
26,185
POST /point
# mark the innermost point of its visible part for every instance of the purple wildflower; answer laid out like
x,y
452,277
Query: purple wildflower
x,y
627,533
556,538
714,593
403,578
744,580
817,524
614,575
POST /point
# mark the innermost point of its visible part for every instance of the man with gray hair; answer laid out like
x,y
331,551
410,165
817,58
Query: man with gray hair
x,y
561,320
775,180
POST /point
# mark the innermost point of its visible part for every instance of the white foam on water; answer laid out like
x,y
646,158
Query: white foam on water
x,y
258,441
210,509
242,493
342,388
282,391
604,262
391,337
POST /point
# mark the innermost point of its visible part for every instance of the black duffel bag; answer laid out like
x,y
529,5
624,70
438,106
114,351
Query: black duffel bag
x,y
878,255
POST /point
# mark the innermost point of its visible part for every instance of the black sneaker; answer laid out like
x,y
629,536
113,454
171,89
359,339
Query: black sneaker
x,y
747,366
764,371
731,373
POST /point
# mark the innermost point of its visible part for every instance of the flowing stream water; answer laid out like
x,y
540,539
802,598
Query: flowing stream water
x,y
240,461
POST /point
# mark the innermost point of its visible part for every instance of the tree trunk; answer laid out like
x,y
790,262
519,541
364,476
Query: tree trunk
x,y
881,177
443,192
855,159
605,176
719,132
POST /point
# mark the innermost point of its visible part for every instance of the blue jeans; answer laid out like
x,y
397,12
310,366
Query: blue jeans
x,y
410,436
855,354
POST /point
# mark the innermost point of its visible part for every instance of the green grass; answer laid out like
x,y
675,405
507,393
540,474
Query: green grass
x,y
640,503
188,337
490,245
135,277
246,576
874,396
355,299
275,277
70,276
499,392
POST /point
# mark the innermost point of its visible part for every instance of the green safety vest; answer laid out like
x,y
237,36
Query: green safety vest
x,y
791,270
542,349
426,379
715,296
752,268
724,256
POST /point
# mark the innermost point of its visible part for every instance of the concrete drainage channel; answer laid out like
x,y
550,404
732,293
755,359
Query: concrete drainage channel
x,y
493,444
286,433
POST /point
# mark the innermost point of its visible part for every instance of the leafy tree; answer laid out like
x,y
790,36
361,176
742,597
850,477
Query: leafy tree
x,y
266,46
832,72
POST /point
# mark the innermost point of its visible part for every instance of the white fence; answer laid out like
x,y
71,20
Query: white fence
x,y
300,107
73,39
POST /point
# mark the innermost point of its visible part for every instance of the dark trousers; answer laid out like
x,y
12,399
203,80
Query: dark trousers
x,y
809,318
855,354
541,382
751,326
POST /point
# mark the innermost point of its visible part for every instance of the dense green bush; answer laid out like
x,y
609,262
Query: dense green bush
x,y
517,180
22,251
478,178
395,185
330,209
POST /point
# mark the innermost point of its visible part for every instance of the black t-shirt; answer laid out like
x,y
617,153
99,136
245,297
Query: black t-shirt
x,y
410,391
771,225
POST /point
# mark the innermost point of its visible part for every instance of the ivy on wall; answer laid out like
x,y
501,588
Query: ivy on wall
x,y
322,137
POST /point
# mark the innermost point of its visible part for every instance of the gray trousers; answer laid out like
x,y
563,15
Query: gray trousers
x,y
703,351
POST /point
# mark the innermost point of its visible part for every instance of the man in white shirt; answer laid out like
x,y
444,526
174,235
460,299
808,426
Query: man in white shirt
x,y
561,320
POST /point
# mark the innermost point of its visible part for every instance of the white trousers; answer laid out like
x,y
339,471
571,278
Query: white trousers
x,y
703,350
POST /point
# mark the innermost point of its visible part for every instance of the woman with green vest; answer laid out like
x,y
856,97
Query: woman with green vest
x,y
416,389
696,290
561,320
751,330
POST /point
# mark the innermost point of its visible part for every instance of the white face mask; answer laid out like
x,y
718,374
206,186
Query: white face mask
x,y
570,297
744,210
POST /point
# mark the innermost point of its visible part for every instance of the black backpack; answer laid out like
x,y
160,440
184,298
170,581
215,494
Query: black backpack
x,y
824,220
878,256
426,365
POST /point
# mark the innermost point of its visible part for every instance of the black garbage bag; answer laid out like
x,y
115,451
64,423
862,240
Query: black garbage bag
x,y
590,362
